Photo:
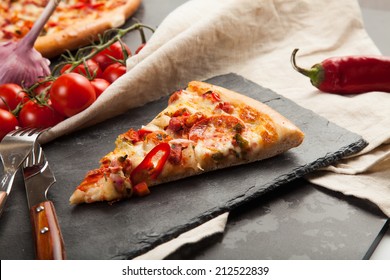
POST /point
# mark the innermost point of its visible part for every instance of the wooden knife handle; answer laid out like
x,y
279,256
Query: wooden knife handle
x,y
49,244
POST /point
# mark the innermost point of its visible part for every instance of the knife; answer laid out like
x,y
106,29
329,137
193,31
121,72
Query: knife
x,y
38,178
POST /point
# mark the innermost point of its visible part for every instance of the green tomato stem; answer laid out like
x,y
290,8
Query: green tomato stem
x,y
98,48
117,37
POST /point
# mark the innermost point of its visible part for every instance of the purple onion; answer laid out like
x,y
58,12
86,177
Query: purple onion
x,y
21,63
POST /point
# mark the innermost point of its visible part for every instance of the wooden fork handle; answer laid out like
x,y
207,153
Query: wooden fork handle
x,y
49,244
3,198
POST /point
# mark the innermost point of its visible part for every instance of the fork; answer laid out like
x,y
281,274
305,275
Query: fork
x,y
14,148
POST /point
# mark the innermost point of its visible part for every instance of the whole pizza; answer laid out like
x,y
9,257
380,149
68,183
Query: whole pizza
x,y
74,23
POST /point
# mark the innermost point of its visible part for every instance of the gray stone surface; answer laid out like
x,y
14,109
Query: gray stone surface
x,y
128,228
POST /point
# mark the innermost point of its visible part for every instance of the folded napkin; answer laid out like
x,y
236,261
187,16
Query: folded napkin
x,y
203,38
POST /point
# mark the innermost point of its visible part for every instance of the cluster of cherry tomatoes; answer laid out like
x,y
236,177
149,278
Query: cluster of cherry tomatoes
x,y
50,102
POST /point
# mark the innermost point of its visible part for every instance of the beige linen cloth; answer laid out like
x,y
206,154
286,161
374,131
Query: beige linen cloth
x,y
255,38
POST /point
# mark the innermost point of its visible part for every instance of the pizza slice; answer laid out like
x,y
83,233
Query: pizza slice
x,y
203,128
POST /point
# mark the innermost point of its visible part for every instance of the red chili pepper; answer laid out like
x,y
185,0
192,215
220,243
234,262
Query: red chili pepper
x,y
147,169
349,74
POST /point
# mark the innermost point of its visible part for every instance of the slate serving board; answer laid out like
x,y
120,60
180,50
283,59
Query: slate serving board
x,y
126,229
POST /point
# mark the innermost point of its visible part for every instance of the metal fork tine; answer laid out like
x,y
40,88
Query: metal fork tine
x,y
27,132
41,159
27,160
19,131
36,131
31,132
36,154
30,158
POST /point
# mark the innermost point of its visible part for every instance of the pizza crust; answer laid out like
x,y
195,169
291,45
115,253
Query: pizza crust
x,y
84,32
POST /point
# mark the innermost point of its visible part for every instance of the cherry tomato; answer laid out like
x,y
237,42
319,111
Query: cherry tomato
x,y
10,96
92,66
71,93
113,72
8,122
140,47
99,85
43,87
39,115
104,59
